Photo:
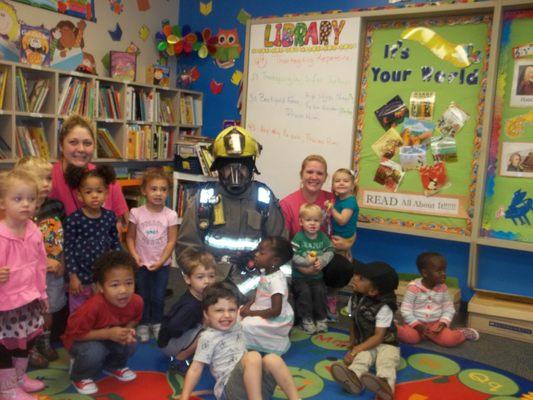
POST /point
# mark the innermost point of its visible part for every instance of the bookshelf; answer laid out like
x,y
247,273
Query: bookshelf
x,y
184,185
135,122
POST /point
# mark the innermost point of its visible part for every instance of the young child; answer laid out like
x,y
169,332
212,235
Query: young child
x,y
312,252
49,218
427,308
373,333
267,320
22,283
89,231
239,374
151,238
181,327
344,213
100,335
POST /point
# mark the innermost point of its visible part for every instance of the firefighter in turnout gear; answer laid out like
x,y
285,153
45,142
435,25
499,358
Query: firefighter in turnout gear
x,y
230,217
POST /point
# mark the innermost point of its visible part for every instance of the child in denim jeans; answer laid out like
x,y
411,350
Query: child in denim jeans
x,y
100,335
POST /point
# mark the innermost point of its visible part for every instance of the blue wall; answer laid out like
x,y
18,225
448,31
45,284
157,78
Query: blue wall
x,y
500,270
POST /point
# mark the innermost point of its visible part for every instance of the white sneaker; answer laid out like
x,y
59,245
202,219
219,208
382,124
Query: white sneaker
x,y
85,386
155,330
143,332
470,334
308,326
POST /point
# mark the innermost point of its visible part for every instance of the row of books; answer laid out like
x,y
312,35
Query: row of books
x,y
5,149
109,103
199,149
31,141
186,191
139,104
3,82
106,145
145,143
31,94
190,110
164,107
77,96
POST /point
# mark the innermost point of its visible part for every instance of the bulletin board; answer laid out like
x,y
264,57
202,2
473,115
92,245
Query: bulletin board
x,y
300,90
509,186
419,121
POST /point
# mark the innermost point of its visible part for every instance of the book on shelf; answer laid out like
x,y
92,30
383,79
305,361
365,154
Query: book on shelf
x,y
186,191
31,141
3,83
140,142
206,158
109,103
186,109
38,91
164,109
5,149
77,96
107,147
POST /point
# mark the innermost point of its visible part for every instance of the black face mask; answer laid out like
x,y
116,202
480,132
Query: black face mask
x,y
235,177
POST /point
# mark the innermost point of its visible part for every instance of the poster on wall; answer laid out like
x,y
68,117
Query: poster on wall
x,y
77,8
419,121
508,206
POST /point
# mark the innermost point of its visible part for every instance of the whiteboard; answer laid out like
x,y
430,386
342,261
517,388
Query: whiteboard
x,y
300,94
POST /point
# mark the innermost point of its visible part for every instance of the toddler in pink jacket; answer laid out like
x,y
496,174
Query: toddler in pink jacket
x,y
22,283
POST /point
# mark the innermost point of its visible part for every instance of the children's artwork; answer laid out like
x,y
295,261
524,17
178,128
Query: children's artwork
x,y
66,50
215,87
507,199
520,206
144,32
236,77
387,145
228,48
433,177
389,174
517,159
412,157
186,76
77,8
392,113
522,88
34,45
123,65
116,6
421,105
206,8
158,75
116,34
417,132
88,64
9,32
143,5
452,120
243,16
443,147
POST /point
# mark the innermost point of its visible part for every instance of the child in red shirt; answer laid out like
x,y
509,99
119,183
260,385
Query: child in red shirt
x,y
100,335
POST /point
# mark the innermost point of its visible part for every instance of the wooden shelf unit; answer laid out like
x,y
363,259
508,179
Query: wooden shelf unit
x,y
50,116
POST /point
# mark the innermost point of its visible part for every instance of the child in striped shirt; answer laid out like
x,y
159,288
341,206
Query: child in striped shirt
x,y
427,308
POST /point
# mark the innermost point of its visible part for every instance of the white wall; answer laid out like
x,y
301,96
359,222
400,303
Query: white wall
x,y
97,40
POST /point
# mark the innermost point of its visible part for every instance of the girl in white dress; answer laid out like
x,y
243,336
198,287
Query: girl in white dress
x,y
268,319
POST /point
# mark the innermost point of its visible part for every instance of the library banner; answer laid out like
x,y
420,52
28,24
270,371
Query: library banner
x,y
419,121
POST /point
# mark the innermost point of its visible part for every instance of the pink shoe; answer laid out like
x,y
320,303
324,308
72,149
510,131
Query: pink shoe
x,y
26,383
9,389
331,303
470,334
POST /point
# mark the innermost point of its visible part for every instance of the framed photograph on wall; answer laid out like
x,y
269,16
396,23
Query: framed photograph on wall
x,y
522,87
517,159
123,65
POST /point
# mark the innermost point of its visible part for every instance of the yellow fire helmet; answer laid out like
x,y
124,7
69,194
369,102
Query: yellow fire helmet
x,y
234,142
